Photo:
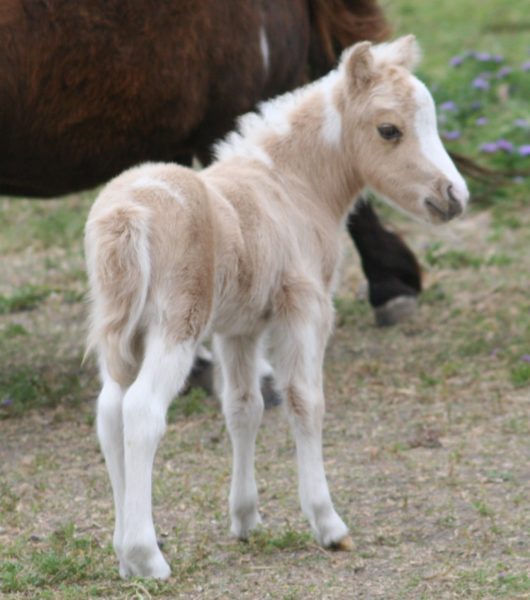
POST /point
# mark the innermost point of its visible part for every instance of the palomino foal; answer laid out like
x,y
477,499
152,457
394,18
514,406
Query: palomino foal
x,y
248,249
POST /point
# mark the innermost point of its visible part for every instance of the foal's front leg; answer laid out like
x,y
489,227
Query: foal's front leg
x,y
299,356
243,409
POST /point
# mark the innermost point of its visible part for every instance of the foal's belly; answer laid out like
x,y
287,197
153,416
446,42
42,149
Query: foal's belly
x,y
236,319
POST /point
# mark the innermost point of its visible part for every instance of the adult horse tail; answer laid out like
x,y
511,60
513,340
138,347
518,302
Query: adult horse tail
x,y
119,270
336,24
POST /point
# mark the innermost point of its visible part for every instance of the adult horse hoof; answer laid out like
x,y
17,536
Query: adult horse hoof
x,y
343,545
201,375
396,310
271,397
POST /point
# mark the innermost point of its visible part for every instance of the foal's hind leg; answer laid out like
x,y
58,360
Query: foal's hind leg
x,y
299,353
161,377
110,434
243,409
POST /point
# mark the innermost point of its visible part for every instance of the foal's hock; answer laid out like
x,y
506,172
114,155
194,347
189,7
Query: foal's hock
x,y
246,250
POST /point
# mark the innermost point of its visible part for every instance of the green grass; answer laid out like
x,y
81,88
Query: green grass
x,y
264,541
43,224
498,583
520,375
28,387
66,557
25,298
461,259
194,402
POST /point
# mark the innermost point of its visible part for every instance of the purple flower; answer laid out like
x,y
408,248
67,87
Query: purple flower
x,y
456,61
451,135
523,123
7,401
449,106
476,105
481,121
479,83
524,150
526,66
503,71
525,357
505,145
489,147
497,58
483,56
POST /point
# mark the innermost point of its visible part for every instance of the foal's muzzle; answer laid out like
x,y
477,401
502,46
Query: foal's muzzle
x,y
446,208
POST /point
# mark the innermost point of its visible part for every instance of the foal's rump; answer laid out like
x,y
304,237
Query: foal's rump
x,y
145,236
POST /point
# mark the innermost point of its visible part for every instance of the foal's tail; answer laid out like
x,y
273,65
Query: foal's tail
x,y
117,254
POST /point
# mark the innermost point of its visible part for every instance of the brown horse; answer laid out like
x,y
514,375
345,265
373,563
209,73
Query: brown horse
x,y
89,89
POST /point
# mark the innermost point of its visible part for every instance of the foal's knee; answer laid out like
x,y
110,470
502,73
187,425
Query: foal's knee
x,y
305,407
244,409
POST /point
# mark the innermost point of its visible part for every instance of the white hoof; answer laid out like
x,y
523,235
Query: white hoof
x,y
330,530
125,570
145,561
242,525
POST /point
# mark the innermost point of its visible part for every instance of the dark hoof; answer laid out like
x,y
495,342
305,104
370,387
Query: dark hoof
x,y
201,376
396,310
271,397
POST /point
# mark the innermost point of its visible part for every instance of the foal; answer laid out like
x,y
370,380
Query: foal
x,y
245,249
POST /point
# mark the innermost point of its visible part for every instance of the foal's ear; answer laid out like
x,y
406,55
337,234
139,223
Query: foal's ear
x,y
359,65
405,52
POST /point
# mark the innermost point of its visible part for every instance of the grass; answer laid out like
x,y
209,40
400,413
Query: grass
x,y
66,556
194,402
27,387
426,433
25,298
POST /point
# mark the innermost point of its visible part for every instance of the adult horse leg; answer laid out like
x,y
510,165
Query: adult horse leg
x,y
392,271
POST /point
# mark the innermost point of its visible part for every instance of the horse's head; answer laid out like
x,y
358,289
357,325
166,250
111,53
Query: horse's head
x,y
396,142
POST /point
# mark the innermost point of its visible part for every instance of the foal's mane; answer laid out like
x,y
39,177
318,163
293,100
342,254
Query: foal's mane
x,y
337,24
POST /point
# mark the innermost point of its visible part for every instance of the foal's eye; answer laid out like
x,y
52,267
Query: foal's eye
x,y
389,132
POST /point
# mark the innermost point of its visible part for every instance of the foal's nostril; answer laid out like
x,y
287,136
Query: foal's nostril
x,y
455,206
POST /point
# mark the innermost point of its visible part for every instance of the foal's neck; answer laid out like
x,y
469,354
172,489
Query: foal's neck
x,y
300,137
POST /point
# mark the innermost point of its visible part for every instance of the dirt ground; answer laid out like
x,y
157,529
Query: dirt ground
x,y
426,440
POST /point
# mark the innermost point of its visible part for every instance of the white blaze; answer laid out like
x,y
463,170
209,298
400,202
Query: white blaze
x,y
430,142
